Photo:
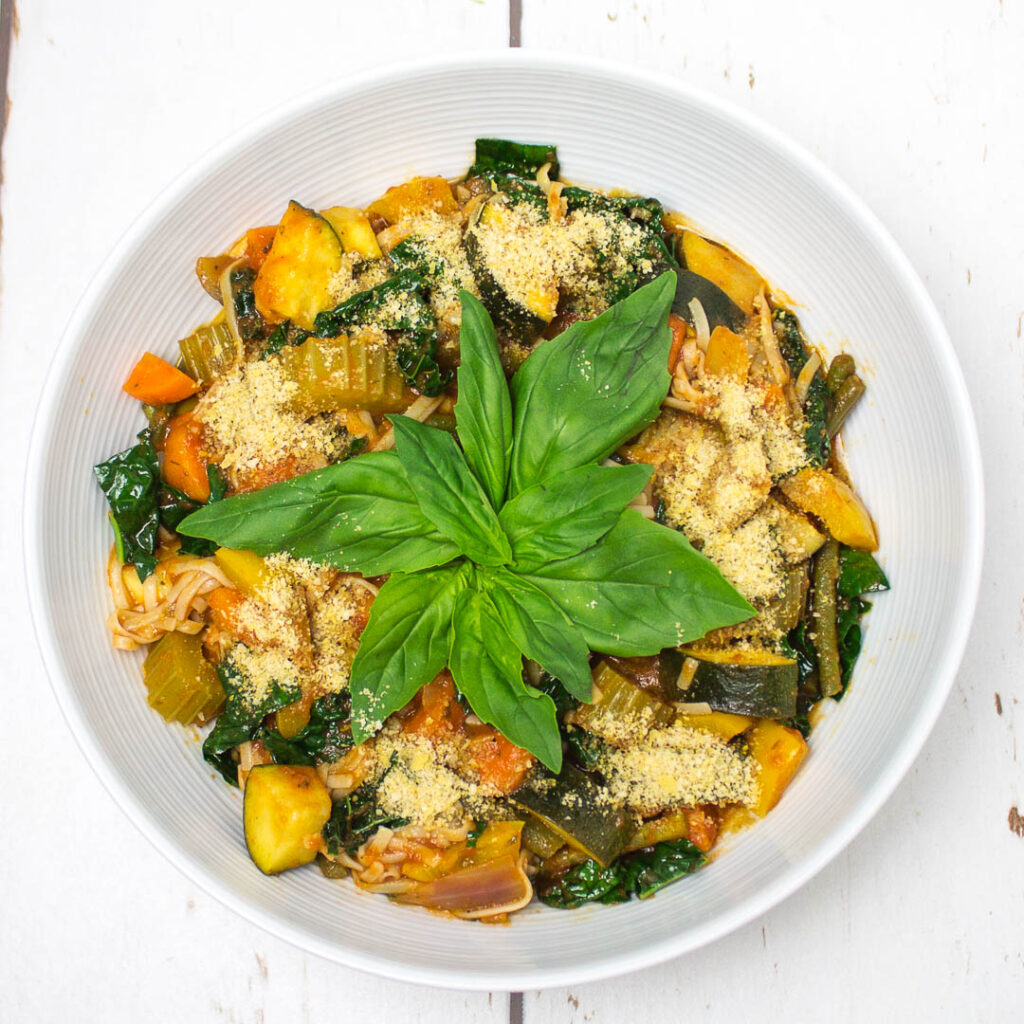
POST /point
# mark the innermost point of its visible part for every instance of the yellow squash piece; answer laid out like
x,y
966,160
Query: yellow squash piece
x,y
798,538
345,373
418,195
294,282
181,684
727,355
737,278
779,752
721,723
286,807
353,229
247,570
834,502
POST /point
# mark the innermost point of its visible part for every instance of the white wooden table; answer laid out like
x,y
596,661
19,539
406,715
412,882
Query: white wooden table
x,y
918,106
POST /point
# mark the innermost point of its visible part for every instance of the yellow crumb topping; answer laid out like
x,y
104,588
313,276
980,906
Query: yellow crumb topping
x,y
678,766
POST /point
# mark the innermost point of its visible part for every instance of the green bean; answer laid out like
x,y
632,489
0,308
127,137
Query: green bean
x,y
825,576
841,367
843,401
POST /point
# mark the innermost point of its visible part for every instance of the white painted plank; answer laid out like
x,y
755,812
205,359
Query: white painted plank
x,y
109,102
917,107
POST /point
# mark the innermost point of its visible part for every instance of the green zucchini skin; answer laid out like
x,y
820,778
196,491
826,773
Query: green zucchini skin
x,y
720,310
518,322
763,691
568,804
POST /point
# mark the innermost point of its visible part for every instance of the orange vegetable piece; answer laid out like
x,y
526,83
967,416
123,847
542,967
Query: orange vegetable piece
x,y
223,604
257,244
155,382
497,760
417,195
677,325
779,751
727,355
184,465
435,711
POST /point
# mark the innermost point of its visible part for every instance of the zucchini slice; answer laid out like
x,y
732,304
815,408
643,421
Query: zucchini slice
x,y
744,682
568,804
835,503
621,712
737,278
353,229
295,280
285,810
523,317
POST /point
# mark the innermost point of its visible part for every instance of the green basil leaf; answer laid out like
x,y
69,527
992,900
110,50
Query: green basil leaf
x,y
483,413
359,516
580,395
488,671
640,589
448,493
571,512
405,644
542,631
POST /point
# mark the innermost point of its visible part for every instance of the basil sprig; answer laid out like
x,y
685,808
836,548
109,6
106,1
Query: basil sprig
x,y
517,543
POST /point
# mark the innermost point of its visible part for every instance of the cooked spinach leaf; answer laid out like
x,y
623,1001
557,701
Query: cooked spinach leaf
x,y
356,817
242,717
130,480
639,875
859,573
250,323
417,360
818,404
399,304
498,157
326,737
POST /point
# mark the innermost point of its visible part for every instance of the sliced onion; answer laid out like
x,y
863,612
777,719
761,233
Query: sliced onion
x,y
498,887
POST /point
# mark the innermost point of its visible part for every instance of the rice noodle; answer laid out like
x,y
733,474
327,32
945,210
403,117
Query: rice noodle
x,y
170,599
557,206
803,382
776,364
421,409
700,324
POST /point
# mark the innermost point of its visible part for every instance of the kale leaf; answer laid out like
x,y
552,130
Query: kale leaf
x,y
356,817
130,480
818,404
241,719
325,738
499,157
639,874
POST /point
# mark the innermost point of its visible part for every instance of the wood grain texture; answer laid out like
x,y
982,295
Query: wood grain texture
x,y
917,108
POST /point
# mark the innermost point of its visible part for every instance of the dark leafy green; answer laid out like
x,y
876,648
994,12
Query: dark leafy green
x,y
640,874
398,304
356,817
496,157
130,480
580,395
818,404
325,738
241,718
250,323
859,573
418,362
475,833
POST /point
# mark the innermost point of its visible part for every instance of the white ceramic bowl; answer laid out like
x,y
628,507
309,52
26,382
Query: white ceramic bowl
x,y
912,450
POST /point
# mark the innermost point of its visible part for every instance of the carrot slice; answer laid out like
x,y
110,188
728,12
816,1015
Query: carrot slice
x,y
257,245
678,327
155,382
184,465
